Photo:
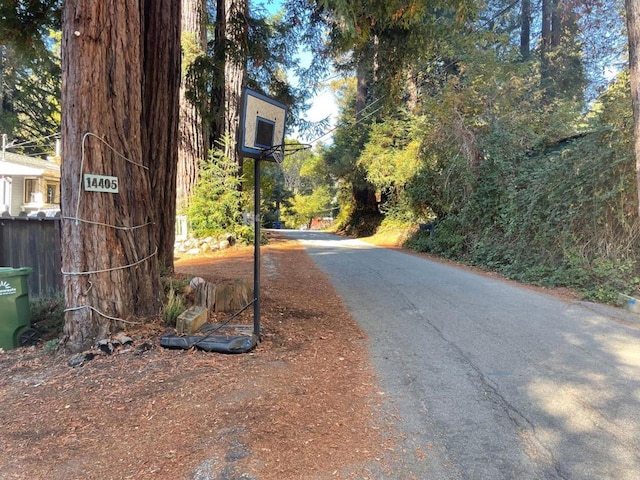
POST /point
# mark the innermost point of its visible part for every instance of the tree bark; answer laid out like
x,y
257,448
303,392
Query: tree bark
x,y
525,29
545,46
362,84
161,114
194,140
231,47
633,29
109,249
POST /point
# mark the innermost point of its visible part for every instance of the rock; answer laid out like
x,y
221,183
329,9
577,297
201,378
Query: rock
x,y
144,347
223,244
194,251
78,359
122,339
106,346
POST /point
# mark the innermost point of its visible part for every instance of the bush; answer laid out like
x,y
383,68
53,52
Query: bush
x,y
173,308
47,316
445,240
214,207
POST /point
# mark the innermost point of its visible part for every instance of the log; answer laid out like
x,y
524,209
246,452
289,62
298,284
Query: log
x,y
206,295
223,297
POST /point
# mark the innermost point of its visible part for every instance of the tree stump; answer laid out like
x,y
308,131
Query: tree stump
x,y
223,297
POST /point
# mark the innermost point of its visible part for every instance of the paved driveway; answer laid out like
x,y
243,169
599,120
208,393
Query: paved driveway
x,y
490,380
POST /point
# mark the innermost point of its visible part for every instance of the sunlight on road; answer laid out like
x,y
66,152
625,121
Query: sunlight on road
x,y
627,354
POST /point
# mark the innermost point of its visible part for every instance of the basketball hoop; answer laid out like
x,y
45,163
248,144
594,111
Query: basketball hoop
x,y
278,154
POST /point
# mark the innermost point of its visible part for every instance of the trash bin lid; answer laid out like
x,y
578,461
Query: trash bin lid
x,y
14,272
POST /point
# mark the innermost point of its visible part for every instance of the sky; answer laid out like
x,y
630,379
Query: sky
x,y
324,104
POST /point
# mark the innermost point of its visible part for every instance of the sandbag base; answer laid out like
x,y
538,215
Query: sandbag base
x,y
211,343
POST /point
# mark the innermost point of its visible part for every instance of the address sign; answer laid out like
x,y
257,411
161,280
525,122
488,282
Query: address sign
x,y
100,183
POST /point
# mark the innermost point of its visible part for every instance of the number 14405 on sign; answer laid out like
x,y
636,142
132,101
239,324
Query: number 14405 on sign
x,y
100,183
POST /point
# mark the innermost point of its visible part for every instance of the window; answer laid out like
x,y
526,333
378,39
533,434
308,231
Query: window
x,y
31,194
53,192
264,133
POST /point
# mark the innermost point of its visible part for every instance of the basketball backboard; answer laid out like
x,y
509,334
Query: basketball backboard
x,y
261,125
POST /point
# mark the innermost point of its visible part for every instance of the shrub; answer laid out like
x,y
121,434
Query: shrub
x,y
47,316
174,307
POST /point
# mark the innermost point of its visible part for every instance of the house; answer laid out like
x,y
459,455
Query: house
x,y
28,184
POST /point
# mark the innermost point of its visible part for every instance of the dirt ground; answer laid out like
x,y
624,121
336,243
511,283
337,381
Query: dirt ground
x,y
302,405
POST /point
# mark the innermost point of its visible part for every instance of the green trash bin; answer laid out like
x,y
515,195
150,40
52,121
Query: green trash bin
x,y
15,312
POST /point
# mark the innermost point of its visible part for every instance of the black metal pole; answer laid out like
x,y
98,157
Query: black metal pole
x,y
256,249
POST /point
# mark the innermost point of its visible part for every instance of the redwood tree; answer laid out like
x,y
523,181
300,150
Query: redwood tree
x,y
194,139
633,29
160,117
110,245
231,47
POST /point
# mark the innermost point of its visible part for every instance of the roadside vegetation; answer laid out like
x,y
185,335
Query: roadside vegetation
x,y
515,159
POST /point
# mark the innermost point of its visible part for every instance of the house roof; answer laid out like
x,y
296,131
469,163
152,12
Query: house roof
x,y
14,164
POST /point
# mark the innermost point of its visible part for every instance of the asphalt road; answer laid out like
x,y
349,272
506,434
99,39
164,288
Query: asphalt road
x,y
491,380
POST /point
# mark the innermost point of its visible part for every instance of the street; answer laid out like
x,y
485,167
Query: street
x,y
490,380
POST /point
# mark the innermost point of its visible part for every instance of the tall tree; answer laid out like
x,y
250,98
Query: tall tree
x,y
545,43
633,28
194,140
29,70
160,113
231,47
562,73
109,256
525,29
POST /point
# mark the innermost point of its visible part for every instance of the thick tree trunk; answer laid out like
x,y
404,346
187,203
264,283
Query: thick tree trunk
x,y
556,24
545,46
231,45
633,29
413,88
361,89
525,29
109,247
160,115
364,193
194,140
6,90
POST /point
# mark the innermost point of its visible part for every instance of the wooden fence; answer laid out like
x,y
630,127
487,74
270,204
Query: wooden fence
x,y
33,242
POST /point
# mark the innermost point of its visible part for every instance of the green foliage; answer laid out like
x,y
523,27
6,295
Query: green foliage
x,y
390,159
174,306
556,212
30,76
215,205
446,239
47,315
305,207
175,302
496,147
52,345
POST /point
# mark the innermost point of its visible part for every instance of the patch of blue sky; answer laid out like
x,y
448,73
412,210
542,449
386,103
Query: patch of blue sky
x,y
323,105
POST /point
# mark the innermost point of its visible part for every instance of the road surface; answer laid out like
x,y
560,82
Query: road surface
x,y
491,380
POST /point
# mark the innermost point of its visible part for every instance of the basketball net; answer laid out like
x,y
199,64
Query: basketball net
x,y
278,154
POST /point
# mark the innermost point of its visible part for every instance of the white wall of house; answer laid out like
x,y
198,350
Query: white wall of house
x,y
41,176
17,194
5,194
